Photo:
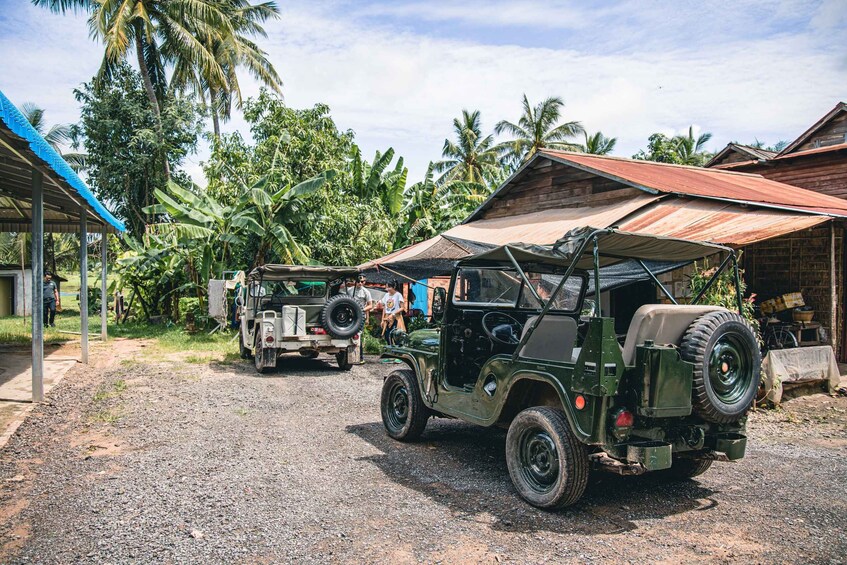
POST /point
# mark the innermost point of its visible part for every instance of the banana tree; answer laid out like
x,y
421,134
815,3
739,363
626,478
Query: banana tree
x,y
376,180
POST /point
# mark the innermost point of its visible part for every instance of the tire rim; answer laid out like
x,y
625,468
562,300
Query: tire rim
x,y
729,368
397,406
343,316
539,460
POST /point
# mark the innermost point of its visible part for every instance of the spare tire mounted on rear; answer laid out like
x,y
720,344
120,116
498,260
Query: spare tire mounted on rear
x,y
342,317
727,363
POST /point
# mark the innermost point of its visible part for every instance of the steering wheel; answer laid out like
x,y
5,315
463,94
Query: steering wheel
x,y
506,332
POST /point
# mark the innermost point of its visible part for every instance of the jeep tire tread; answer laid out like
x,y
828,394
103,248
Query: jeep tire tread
x,y
404,414
547,463
342,317
343,360
727,365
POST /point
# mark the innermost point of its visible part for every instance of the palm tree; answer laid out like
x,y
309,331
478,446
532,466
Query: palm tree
x,y
472,158
598,144
690,149
537,128
161,33
58,136
231,51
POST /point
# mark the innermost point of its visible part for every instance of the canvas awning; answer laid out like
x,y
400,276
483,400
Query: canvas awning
x,y
327,273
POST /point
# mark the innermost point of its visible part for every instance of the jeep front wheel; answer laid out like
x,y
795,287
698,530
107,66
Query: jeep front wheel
x,y
404,414
547,463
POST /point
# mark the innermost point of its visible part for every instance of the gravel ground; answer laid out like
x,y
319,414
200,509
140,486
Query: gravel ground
x,y
171,461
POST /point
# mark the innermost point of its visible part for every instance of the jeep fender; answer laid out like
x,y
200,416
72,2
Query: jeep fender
x,y
527,385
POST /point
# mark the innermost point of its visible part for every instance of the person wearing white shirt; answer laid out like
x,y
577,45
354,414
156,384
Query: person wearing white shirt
x,y
357,291
392,308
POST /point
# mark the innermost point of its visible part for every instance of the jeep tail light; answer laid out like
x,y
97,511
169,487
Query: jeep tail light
x,y
579,402
624,419
318,331
269,339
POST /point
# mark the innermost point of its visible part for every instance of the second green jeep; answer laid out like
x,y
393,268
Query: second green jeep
x,y
512,350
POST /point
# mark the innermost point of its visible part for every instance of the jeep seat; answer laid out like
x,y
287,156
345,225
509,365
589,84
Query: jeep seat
x,y
662,323
552,340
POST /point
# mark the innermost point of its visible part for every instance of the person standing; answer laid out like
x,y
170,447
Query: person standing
x,y
362,295
392,309
50,300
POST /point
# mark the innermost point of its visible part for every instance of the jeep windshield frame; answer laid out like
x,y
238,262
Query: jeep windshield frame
x,y
619,246
275,272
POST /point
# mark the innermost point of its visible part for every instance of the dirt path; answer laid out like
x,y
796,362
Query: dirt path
x,y
179,462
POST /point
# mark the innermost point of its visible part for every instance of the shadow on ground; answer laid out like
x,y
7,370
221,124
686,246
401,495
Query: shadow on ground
x,y
463,467
287,366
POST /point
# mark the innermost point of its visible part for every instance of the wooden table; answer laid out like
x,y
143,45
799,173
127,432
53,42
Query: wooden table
x,y
807,328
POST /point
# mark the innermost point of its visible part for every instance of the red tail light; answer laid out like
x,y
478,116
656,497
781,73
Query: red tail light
x,y
579,402
318,331
624,419
269,339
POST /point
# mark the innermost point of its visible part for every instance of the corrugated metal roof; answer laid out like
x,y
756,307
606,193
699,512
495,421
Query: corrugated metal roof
x,y
547,226
705,183
717,222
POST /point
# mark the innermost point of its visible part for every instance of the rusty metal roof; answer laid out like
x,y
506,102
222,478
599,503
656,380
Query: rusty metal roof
x,y
754,153
716,184
717,222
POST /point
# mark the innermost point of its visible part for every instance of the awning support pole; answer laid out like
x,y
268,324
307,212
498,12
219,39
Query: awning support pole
x,y
655,280
104,302
37,286
83,284
597,278
833,289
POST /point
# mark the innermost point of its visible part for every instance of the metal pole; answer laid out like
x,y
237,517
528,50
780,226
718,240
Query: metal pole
x,y
597,278
37,287
657,282
833,289
104,256
83,284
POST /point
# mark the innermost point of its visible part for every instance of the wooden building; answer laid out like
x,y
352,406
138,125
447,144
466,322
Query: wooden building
x,y
817,161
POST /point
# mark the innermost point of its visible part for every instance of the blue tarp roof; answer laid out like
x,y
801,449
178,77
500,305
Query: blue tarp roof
x,y
18,124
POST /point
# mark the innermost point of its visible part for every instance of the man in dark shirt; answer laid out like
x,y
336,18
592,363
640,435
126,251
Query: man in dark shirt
x,y
51,300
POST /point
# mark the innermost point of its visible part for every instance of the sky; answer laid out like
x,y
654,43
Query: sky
x,y
397,73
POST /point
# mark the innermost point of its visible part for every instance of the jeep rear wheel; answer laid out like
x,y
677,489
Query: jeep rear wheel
x,y
404,414
548,465
343,359
727,365
264,358
244,350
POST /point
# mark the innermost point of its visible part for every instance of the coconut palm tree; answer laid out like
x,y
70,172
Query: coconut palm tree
x,y
58,136
690,149
231,51
146,26
472,158
598,144
538,128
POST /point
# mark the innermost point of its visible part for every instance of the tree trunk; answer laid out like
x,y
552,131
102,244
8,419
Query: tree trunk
x,y
213,109
151,93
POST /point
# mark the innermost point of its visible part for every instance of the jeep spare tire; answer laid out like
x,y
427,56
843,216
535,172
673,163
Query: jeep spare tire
x,y
727,365
342,317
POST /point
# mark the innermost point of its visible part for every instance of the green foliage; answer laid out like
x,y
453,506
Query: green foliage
x,y
678,150
119,132
373,345
472,158
723,292
598,144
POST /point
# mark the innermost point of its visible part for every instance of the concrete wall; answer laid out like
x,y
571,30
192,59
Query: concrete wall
x,y
23,290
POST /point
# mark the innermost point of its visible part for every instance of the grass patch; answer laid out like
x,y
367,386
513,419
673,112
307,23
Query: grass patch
x,y
242,411
106,392
105,416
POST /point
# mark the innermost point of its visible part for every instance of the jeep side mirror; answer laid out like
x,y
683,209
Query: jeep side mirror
x,y
439,300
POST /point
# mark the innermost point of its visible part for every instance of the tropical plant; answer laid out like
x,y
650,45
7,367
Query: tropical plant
x,y
723,291
660,148
232,49
377,181
471,158
690,149
58,136
598,144
537,128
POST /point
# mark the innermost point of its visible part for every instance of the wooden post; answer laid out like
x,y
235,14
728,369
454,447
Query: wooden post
x,y
83,284
37,310
833,289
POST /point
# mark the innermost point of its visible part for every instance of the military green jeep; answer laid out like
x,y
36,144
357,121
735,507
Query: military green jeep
x,y
513,350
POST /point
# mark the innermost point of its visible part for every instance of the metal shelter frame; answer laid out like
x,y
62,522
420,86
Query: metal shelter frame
x,y
39,190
